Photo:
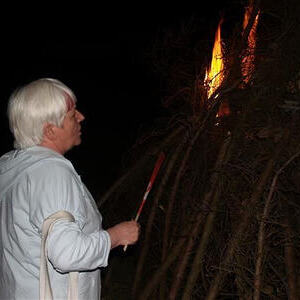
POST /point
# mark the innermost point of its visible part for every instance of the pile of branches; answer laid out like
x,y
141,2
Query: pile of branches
x,y
223,219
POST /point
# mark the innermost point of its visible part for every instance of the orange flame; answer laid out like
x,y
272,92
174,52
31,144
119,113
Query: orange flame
x,y
248,60
214,74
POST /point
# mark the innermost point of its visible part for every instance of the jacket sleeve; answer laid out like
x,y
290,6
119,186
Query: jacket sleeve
x,y
69,249
72,246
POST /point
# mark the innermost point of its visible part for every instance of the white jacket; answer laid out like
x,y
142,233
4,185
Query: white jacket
x,y
35,183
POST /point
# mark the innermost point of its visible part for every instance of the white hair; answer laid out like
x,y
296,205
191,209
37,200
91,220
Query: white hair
x,y
35,104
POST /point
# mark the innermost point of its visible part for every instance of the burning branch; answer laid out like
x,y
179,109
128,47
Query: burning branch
x,y
248,59
214,74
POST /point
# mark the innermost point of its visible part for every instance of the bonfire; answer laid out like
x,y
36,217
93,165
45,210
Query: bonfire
x,y
222,219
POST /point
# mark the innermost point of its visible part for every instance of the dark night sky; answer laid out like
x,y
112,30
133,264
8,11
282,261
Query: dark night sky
x,y
100,53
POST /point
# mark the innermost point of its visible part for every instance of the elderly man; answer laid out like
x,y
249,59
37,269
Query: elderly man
x,y
36,181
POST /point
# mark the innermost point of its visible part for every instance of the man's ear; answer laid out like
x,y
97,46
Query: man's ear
x,y
49,132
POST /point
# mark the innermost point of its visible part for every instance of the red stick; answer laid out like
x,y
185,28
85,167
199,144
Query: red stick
x,y
150,184
149,187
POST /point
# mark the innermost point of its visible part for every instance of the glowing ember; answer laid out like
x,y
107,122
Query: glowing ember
x,y
223,110
248,60
214,74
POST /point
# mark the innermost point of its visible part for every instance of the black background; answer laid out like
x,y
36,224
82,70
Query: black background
x,y
102,53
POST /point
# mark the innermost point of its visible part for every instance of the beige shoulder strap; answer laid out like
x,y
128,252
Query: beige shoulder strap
x,y
45,286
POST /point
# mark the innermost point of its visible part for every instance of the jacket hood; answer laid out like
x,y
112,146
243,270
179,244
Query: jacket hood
x,y
14,163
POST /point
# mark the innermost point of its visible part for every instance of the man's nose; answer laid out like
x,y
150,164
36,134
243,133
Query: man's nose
x,y
79,116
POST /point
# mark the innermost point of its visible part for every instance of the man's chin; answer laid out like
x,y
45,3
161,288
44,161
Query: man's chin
x,y
78,142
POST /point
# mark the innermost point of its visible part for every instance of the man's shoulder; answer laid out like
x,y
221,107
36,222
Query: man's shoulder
x,y
49,162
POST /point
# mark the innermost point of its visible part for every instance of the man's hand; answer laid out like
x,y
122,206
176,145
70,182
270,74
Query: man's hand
x,y
125,233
